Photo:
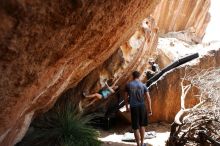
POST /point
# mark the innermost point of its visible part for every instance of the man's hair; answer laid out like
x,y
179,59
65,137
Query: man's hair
x,y
136,74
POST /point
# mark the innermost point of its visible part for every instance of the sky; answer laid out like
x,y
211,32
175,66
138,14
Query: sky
x,y
213,29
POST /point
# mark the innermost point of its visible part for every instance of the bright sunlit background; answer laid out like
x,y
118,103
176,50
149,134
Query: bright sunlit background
x,y
213,29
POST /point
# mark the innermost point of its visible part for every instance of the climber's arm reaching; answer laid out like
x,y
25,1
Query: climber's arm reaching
x,y
110,88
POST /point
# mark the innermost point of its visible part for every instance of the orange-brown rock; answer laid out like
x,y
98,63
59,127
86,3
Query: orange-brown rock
x,y
49,46
166,92
133,55
190,16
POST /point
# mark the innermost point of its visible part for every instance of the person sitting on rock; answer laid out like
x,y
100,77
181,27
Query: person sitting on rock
x,y
154,69
103,93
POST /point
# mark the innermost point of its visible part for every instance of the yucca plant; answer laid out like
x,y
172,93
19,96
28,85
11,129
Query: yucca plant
x,y
62,126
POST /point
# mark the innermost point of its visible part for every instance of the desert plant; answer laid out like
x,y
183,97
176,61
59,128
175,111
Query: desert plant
x,y
199,125
62,126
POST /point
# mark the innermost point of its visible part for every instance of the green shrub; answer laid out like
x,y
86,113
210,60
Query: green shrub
x,y
62,126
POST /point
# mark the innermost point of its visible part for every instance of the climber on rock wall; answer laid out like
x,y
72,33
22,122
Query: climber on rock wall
x,y
103,93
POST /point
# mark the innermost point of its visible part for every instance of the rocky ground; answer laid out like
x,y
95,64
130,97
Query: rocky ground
x,y
113,137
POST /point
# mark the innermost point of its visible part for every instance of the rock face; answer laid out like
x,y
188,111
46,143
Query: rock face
x,y
166,92
49,46
189,15
133,55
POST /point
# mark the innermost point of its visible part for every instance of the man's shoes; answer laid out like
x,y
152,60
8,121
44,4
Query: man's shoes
x,y
144,144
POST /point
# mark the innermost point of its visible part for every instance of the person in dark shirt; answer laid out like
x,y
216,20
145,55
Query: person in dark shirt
x,y
154,69
137,91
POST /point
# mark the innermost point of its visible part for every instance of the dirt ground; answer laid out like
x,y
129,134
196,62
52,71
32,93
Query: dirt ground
x,y
113,137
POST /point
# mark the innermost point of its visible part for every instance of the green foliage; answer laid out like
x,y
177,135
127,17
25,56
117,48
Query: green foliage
x,y
62,127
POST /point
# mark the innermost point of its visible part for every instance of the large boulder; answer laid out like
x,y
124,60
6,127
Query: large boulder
x,y
132,55
68,46
166,92
49,46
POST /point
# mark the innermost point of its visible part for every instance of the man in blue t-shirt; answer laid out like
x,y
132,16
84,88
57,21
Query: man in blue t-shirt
x,y
137,91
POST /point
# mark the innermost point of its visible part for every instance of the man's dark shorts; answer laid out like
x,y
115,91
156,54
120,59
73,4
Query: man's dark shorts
x,y
139,117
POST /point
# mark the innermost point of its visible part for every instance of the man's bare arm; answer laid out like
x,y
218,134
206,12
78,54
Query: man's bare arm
x,y
149,102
